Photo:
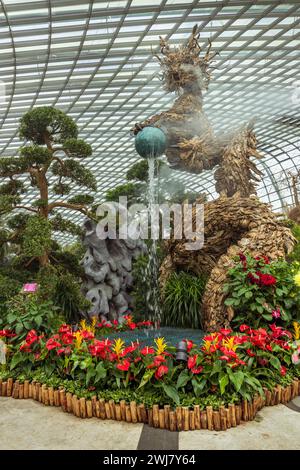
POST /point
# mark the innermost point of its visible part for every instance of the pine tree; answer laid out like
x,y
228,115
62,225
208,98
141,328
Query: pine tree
x,y
48,165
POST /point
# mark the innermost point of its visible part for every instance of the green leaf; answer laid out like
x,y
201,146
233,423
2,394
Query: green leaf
x,y
183,379
90,373
146,378
198,386
237,379
100,372
171,392
275,362
223,381
17,358
230,301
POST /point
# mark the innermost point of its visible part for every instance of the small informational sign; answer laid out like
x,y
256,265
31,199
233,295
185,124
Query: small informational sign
x,y
30,287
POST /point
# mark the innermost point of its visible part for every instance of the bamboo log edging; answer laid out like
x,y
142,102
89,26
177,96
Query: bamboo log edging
x,y
181,418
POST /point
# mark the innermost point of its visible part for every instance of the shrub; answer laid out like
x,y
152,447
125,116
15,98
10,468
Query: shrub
x,y
181,300
261,291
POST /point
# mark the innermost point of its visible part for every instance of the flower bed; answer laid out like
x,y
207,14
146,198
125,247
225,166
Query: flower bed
x,y
179,419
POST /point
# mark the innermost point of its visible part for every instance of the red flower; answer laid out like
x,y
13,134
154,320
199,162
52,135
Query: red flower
x,y
65,329
60,351
192,361
52,344
242,257
250,353
244,328
197,370
225,332
124,365
189,345
132,326
25,347
87,334
162,370
283,370
267,279
31,337
225,358
128,350
254,278
7,334
67,337
137,359
115,322
158,360
146,350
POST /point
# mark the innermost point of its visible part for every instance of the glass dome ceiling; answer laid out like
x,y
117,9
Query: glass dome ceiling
x,y
93,60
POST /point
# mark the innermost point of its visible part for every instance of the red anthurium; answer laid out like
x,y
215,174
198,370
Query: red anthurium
x,y
87,334
124,365
158,360
225,358
147,350
7,334
65,329
283,370
52,344
189,345
192,361
225,331
244,328
60,351
31,337
67,337
25,347
197,370
250,353
128,350
161,371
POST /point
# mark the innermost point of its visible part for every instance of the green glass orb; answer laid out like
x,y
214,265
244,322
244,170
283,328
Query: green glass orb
x,y
150,142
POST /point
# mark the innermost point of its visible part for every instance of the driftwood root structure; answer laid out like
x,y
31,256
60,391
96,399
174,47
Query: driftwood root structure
x,y
231,225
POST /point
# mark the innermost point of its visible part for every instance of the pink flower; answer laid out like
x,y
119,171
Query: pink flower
x,y
276,313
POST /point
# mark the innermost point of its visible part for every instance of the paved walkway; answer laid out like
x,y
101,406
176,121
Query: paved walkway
x,y
26,424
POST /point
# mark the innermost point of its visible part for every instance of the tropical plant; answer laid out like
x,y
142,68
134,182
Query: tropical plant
x,y
26,312
182,297
261,291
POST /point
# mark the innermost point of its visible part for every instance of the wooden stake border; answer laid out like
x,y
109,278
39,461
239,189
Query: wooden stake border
x,y
178,419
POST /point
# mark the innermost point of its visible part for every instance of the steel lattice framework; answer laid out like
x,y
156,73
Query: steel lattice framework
x,y
93,59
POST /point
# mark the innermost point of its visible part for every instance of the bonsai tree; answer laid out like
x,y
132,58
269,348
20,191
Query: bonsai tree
x,y
49,165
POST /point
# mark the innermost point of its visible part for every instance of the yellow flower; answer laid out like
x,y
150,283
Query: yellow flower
x,y
297,279
83,325
78,339
229,343
161,345
296,326
118,346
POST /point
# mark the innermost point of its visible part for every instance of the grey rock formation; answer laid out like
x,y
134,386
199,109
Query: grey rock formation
x,y
108,264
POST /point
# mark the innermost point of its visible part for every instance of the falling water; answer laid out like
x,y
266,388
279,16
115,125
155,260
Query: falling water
x,y
151,273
